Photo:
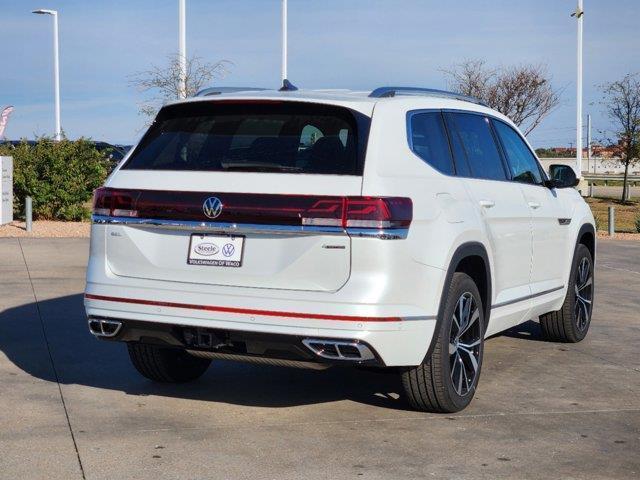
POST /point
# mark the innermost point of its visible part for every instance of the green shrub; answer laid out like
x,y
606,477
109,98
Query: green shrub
x,y
59,176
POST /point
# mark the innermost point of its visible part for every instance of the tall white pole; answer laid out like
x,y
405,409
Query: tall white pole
x,y
579,15
284,40
56,77
589,144
57,134
182,46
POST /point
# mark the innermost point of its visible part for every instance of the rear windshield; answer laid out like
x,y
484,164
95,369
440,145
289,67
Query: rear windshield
x,y
271,136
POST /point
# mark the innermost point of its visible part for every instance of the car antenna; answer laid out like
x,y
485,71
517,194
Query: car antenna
x,y
287,86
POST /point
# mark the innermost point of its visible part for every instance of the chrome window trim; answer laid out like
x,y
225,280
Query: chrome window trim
x,y
242,228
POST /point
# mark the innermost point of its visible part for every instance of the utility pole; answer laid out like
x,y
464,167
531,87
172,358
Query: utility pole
x,y
284,41
182,46
579,14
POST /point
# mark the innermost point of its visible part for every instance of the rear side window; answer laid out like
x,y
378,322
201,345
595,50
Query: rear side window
x,y
476,139
267,136
428,140
522,163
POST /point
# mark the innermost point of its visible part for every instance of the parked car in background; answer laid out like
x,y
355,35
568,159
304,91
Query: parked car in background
x,y
111,152
15,143
397,229
124,148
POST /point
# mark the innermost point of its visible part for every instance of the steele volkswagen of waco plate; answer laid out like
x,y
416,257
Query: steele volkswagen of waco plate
x,y
216,250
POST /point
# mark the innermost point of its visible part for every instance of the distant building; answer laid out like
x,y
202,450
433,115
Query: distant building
x,y
596,165
597,150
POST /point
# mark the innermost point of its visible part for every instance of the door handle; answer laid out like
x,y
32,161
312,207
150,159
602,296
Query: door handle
x,y
487,203
534,205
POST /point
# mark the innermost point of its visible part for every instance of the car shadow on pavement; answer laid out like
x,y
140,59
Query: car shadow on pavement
x,y
81,359
528,330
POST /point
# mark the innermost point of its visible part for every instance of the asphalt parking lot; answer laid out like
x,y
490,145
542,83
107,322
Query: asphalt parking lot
x,y
72,407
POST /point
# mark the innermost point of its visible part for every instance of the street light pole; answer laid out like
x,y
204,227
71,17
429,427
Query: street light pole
x,y
579,14
182,46
56,70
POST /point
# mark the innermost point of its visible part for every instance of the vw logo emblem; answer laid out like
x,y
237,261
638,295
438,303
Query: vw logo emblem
x,y
228,250
212,207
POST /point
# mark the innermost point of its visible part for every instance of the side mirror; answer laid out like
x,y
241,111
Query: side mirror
x,y
562,176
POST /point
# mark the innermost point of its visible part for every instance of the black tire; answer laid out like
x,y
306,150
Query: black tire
x,y
431,386
166,365
571,323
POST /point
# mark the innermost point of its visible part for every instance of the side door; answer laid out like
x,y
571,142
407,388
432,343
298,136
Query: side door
x,y
550,216
502,208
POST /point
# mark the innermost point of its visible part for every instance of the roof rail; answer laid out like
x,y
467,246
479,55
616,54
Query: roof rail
x,y
383,92
205,92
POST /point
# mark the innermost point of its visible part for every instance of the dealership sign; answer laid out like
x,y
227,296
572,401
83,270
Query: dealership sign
x,y
6,190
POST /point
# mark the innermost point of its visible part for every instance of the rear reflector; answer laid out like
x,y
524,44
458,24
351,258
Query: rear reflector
x,y
260,209
242,311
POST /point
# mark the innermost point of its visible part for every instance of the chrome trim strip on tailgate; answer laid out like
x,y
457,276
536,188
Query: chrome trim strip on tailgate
x,y
242,228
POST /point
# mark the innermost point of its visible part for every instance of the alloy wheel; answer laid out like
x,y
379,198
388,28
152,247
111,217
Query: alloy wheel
x,y
584,294
465,340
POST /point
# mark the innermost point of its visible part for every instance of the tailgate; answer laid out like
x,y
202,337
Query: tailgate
x,y
276,240
246,193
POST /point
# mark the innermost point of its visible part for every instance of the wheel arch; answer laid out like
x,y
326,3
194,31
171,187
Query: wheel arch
x,y
470,258
587,237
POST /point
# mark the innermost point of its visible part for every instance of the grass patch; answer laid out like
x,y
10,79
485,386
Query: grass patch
x,y
626,213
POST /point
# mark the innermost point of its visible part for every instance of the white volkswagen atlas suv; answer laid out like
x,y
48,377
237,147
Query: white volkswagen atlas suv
x,y
395,229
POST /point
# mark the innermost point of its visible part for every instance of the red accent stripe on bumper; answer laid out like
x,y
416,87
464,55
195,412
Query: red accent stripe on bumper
x,y
244,311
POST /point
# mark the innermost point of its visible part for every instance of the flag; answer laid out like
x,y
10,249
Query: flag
x,y
4,119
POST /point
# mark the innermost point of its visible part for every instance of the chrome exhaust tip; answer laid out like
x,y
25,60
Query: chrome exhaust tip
x,y
104,327
339,349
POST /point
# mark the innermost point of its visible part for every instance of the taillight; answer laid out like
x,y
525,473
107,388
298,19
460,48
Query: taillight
x,y
114,203
360,212
261,209
385,212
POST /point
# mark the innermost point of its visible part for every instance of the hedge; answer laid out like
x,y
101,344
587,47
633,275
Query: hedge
x,y
59,176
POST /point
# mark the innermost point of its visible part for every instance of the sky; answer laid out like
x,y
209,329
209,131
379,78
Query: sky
x,y
356,44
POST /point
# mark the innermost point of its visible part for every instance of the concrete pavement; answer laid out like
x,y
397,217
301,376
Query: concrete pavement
x,y
73,407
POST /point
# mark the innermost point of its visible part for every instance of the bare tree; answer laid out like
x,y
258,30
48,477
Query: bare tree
x,y
523,93
621,100
163,82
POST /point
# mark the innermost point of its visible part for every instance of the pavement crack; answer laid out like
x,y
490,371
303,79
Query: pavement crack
x,y
53,365
610,267
425,417
610,362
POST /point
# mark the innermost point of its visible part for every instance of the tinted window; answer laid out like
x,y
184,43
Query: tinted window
x,y
254,137
483,156
429,140
459,156
523,165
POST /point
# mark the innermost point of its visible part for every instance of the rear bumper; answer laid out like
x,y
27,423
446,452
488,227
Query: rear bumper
x,y
288,350
396,341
